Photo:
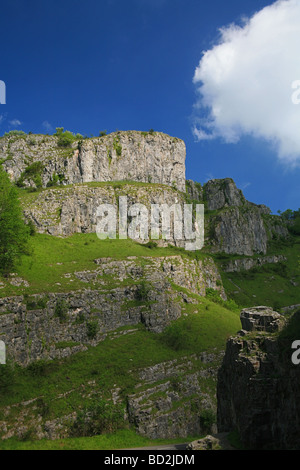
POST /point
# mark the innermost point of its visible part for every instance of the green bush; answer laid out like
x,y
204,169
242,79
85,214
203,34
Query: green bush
x,y
31,227
40,368
61,309
14,133
207,420
151,244
7,376
33,172
33,303
214,296
66,139
92,329
117,146
295,227
142,292
98,418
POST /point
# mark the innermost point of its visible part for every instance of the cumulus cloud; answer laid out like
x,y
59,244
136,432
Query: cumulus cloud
x,y
245,81
15,122
47,126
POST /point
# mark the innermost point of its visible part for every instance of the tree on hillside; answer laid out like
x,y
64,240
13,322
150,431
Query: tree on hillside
x,y
14,233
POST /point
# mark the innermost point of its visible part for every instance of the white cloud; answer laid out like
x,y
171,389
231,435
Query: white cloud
x,y
245,185
15,122
244,82
47,126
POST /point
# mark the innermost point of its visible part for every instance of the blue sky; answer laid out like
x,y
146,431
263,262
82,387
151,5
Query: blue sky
x,y
113,64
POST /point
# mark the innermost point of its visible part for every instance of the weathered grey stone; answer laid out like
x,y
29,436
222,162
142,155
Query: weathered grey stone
x,y
171,400
258,392
128,155
245,264
238,226
237,231
222,193
37,330
64,211
194,190
214,442
261,319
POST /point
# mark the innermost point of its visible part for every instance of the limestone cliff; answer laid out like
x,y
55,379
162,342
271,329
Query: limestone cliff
x,y
116,293
67,210
34,160
258,387
235,225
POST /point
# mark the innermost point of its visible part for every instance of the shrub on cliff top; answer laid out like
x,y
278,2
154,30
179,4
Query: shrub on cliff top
x,y
65,138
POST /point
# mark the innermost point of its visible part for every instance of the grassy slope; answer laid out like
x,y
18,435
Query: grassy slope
x,y
114,362
205,326
52,257
277,285
66,385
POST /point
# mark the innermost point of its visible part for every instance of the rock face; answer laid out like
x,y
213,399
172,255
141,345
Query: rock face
x,y
154,408
120,293
64,211
194,190
245,264
237,231
215,442
235,225
130,155
261,319
170,399
222,193
258,389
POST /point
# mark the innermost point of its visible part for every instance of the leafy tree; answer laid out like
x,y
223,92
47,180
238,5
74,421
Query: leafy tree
x,y
14,233
288,214
295,228
59,131
65,138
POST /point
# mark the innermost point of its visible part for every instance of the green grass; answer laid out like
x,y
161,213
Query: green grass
x,y
197,332
275,285
63,386
123,439
52,257
110,361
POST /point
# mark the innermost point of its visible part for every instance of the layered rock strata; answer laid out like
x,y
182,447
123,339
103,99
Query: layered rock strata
x,y
129,155
117,293
258,388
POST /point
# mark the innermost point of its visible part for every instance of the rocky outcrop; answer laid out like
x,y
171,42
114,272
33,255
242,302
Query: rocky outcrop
x,y
173,398
64,211
169,399
258,387
245,264
261,319
117,293
235,225
129,155
238,231
222,193
194,190
211,442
